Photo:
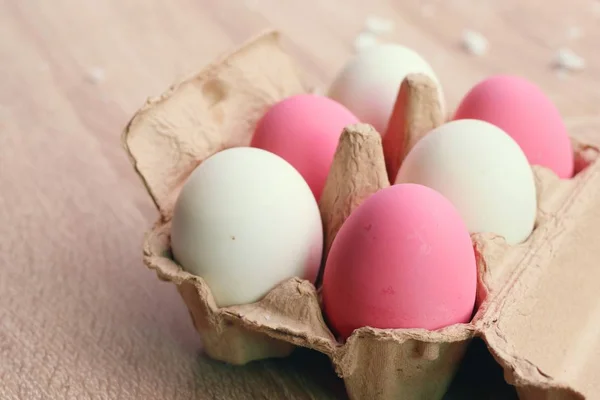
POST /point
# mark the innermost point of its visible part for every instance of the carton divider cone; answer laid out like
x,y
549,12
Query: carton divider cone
x,y
416,112
357,171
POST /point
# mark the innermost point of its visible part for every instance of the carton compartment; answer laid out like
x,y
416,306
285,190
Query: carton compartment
x,y
523,290
544,326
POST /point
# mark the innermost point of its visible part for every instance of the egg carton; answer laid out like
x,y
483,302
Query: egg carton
x,y
537,302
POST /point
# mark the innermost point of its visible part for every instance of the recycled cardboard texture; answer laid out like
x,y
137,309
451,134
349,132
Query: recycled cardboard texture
x,y
537,307
206,113
418,110
357,171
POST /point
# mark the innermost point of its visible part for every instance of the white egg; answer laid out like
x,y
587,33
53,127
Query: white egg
x,y
480,169
368,84
245,221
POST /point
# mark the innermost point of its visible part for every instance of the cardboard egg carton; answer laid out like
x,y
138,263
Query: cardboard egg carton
x,y
537,303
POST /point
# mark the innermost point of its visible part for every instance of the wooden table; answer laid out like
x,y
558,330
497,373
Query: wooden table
x,y
80,317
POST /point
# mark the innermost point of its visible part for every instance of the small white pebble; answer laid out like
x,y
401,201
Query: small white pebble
x,y
474,43
95,75
574,32
267,317
379,25
566,60
364,40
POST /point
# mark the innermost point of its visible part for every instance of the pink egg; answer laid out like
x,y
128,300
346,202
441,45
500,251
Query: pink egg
x,y
523,111
304,130
403,259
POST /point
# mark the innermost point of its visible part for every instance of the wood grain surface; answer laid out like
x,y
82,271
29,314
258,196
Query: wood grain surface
x,y
80,317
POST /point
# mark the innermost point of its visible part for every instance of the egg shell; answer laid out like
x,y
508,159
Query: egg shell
x,y
403,259
369,83
304,130
245,221
482,171
523,111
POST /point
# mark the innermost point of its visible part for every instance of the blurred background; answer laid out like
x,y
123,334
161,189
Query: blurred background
x,y
80,316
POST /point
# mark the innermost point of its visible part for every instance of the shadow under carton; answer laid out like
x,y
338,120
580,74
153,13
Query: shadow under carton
x,y
537,301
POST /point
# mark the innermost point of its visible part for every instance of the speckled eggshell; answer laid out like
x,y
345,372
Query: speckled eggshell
x,y
482,171
368,84
523,111
304,130
403,259
245,221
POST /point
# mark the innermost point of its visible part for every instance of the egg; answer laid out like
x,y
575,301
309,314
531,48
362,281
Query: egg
x,y
304,130
245,220
369,83
482,171
523,111
403,259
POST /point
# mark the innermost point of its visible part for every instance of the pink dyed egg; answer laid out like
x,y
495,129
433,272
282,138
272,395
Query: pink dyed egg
x,y
304,130
523,111
403,259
